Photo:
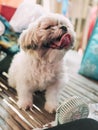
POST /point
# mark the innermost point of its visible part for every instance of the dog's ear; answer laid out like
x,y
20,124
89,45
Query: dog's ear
x,y
27,39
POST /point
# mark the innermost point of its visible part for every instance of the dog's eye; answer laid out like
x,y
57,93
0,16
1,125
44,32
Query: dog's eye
x,y
33,47
48,27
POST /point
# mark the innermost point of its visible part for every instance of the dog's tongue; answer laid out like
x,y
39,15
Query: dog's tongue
x,y
63,43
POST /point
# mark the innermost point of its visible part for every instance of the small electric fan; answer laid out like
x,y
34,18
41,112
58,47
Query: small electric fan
x,y
71,109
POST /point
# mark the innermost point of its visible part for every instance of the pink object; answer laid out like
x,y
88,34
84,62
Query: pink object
x,y
93,16
7,11
64,42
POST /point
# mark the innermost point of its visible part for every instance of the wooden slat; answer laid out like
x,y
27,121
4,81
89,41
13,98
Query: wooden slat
x,y
87,87
9,120
4,125
17,117
83,80
81,86
23,114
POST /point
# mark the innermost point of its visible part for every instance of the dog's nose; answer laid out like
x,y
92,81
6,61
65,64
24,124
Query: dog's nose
x,y
63,28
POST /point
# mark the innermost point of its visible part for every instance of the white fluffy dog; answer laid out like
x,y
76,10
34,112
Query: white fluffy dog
x,y
39,64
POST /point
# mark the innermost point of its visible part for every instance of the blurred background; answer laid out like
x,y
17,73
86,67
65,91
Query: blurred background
x,y
82,13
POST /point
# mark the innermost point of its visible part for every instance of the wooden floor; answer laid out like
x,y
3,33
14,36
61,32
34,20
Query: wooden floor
x,y
12,118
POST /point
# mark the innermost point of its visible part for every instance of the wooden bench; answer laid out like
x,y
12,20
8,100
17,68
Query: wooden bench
x,y
12,118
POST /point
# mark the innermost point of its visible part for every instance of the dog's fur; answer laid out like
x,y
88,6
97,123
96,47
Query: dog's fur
x,y
37,67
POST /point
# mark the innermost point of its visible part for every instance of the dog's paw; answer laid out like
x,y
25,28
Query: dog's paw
x,y
25,104
50,107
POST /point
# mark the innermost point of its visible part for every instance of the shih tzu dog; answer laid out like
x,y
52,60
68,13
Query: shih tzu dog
x,y
39,64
